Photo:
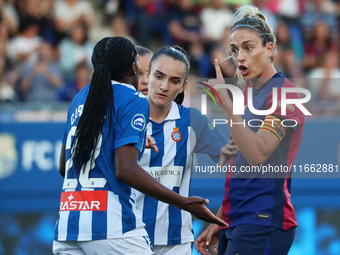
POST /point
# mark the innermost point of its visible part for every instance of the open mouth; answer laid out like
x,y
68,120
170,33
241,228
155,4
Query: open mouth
x,y
244,70
144,91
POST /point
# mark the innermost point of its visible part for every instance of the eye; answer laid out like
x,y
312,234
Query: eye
x,y
158,76
175,82
234,51
249,47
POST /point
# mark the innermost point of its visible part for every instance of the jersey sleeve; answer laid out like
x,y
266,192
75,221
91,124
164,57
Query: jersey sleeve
x,y
294,117
209,140
131,122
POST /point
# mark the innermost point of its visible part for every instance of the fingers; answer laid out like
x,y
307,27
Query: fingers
x,y
150,143
217,69
213,248
200,244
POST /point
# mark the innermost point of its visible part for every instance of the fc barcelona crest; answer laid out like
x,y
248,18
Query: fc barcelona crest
x,y
176,135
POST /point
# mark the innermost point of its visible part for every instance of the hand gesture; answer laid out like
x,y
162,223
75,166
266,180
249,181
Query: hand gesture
x,y
227,104
228,151
196,206
208,237
150,143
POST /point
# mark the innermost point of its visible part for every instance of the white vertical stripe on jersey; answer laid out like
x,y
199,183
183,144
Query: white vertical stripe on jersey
x,y
85,225
144,163
114,213
85,222
138,214
184,190
62,226
162,223
145,160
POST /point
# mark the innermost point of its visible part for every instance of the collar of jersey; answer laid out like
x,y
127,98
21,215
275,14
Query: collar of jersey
x,y
123,84
173,113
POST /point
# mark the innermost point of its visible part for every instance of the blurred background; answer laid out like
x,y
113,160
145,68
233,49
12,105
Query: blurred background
x,y
45,51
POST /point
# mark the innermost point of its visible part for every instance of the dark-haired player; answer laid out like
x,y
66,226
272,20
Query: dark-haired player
x,y
104,137
179,132
144,60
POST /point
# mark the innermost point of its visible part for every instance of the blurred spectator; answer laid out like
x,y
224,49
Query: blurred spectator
x,y
41,80
21,48
3,39
152,16
199,60
285,59
227,65
325,81
7,92
75,50
215,19
69,12
320,43
119,28
185,24
319,11
39,12
71,88
8,16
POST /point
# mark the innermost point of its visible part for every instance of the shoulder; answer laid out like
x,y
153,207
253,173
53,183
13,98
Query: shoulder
x,y
128,96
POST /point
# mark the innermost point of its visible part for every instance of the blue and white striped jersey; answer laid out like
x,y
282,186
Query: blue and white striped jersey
x,y
94,204
184,132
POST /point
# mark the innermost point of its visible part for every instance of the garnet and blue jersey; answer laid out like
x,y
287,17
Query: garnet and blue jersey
x,y
254,198
94,203
185,131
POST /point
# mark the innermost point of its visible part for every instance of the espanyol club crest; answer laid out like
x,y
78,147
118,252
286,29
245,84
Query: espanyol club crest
x,y
176,135
138,122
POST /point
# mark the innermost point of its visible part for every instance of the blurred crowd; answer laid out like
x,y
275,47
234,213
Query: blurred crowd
x,y
46,45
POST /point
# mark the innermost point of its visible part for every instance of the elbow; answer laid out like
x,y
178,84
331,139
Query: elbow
x,y
257,160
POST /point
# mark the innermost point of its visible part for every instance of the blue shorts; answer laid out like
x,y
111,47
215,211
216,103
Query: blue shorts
x,y
255,240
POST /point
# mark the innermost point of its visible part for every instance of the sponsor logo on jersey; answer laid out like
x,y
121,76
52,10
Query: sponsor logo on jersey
x,y
176,135
83,200
138,122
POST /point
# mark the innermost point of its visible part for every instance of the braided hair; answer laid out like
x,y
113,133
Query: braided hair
x,y
111,58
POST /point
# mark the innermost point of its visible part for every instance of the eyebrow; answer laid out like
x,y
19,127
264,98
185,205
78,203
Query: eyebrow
x,y
174,77
245,42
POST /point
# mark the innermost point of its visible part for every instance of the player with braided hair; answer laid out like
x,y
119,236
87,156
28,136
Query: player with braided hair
x,y
103,138
257,207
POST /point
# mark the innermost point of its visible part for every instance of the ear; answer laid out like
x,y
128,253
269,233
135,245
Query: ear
x,y
270,49
183,86
134,69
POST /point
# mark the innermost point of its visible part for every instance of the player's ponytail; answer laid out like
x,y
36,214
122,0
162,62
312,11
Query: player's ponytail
x,y
176,53
111,58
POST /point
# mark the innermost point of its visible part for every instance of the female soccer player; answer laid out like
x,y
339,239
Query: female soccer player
x,y
179,132
258,210
144,61
103,139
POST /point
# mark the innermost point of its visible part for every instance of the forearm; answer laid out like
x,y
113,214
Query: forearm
x,y
53,79
26,83
142,181
251,145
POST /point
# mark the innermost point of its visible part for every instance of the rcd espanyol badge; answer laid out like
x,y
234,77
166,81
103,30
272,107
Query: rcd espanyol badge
x,y
176,135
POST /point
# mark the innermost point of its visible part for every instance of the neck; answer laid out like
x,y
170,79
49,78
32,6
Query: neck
x,y
158,113
266,75
128,80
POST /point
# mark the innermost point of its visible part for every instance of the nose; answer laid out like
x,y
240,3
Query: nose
x,y
143,79
164,86
241,56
